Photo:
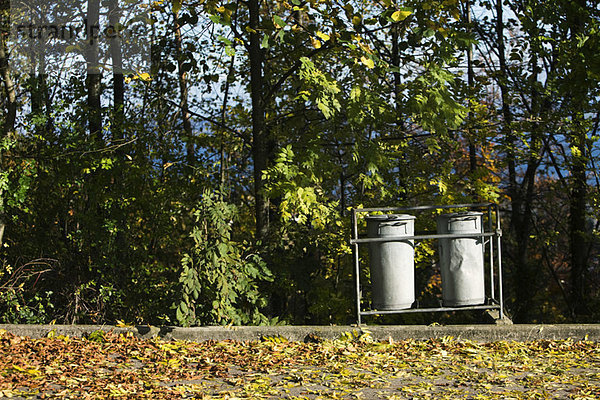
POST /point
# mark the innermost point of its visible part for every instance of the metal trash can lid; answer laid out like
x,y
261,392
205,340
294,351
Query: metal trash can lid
x,y
461,214
390,217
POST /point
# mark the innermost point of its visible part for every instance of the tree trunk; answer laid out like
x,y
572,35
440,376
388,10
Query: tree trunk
x,y
36,87
397,77
260,146
520,220
2,227
471,85
507,131
403,179
9,89
11,111
118,79
222,138
40,96
578,93
183,91
94,76
578,238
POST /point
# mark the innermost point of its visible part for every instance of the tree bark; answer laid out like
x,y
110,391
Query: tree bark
x,y
222,136
94,76
40,96
183,92
471,85
578,93
9,89
578,237
2,227
403,179
260,145
11,110
520,220
395,56
118,79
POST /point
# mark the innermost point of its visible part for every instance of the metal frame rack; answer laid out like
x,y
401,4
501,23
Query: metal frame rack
x,y
490,237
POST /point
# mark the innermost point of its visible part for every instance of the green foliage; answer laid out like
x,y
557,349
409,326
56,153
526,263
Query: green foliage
x,y
361,104
97,336
220,277
21,300
322,90
311,240
17,308
432,101
16,175
299,188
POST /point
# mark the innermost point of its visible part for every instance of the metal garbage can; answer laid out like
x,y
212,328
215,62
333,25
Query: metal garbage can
x,y
392,263
461,259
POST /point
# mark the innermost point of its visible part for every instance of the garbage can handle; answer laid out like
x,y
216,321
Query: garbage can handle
x,y
462,218
394,223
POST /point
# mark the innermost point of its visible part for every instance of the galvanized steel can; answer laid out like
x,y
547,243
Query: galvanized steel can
x,y
461,259
392,263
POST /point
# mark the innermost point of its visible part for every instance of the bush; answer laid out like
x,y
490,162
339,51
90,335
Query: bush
x,y
220,277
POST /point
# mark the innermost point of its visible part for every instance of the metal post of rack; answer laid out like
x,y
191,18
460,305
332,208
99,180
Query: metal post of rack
x,y
491,237
499,251
356,265
491,253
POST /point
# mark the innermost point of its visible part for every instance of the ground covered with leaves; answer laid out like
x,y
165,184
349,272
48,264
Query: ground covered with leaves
x,y
107,365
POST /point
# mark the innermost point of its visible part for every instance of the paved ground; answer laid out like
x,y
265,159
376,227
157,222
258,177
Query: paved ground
x,y
416,362
110,365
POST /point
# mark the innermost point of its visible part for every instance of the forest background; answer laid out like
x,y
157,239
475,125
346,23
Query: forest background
x,y
214,186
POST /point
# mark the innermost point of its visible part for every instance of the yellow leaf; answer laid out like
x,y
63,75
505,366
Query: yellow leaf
x,y
365,48
323,36
145,76
315,42
400,15
34,372
368,62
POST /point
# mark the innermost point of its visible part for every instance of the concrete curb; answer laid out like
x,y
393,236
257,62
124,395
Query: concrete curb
x,y
479,333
